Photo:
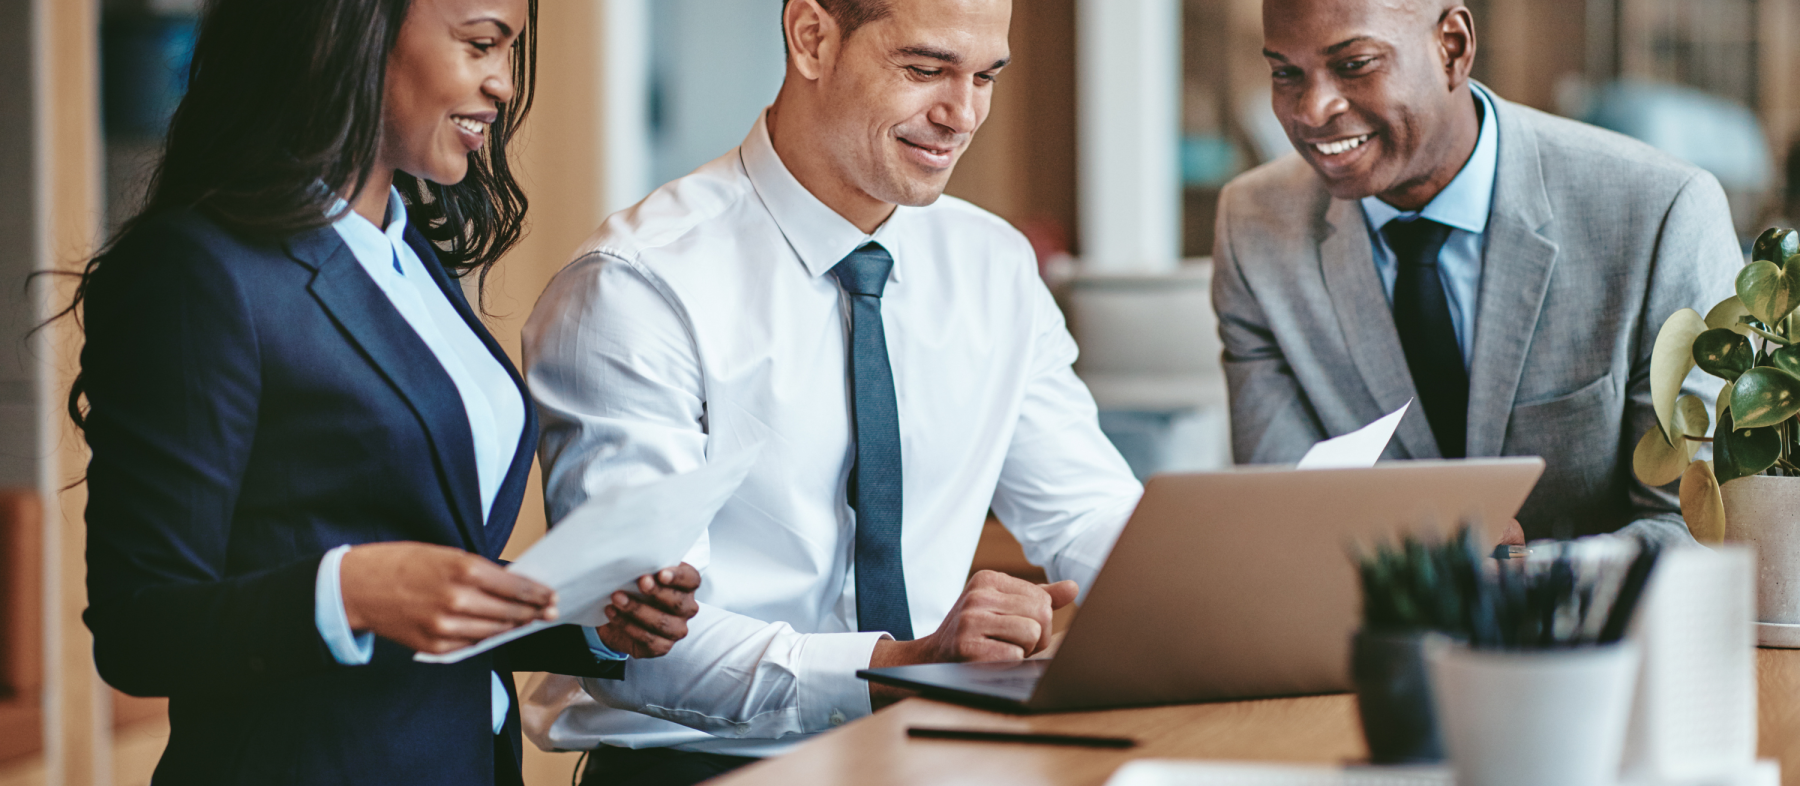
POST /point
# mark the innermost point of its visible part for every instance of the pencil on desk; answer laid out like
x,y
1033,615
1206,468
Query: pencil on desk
x,y
1028,738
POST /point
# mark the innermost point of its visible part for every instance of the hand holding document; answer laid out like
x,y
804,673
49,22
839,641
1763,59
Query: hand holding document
x,y
1360,448
619,535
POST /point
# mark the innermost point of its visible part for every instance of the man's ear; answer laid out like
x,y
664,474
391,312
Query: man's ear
x,y
812,37
1456,44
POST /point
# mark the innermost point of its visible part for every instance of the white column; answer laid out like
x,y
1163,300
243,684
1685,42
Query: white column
x,y
625,114
1128,83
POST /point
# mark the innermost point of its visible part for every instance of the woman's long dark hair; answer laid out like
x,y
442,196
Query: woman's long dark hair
x,y
285,94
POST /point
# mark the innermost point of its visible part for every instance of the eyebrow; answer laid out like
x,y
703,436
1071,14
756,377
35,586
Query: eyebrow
x,y
506,30
946,56
1330,50
1342,45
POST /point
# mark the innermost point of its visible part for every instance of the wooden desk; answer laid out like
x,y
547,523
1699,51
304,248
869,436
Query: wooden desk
x,y
876,751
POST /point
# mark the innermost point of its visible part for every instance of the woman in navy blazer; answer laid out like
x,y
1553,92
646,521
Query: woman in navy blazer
x,y
256,403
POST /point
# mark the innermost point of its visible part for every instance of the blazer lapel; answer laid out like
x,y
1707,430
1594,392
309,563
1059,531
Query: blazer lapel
x,y
1368,323
1516,269
364,312
505,512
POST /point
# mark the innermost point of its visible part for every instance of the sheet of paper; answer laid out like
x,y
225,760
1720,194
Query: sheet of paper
x,y
619,535
1359,448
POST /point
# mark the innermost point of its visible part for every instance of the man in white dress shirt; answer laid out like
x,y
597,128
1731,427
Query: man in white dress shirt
x,y
895,355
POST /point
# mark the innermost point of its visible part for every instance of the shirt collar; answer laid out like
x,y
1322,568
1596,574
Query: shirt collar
x,y
1467,201
365,240
820,236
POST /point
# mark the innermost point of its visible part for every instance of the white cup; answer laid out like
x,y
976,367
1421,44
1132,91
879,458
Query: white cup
x,y
1544,718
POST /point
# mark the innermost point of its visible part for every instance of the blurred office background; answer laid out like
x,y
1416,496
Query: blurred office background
x,y
1109,141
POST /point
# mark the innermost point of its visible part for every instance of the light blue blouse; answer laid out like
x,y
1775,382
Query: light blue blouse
x,y
495,407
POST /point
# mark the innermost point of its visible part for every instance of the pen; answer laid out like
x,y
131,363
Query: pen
x,y
1029,738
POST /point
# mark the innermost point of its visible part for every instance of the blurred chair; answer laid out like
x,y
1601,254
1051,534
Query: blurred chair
x,y
1716,134
1150,354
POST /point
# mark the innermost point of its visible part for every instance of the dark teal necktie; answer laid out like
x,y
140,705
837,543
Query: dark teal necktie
x,y
1422,317
874,489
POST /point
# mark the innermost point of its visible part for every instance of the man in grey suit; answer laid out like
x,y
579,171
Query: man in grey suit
x,y
1508,268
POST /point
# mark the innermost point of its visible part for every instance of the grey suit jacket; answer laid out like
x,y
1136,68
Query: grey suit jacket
x,y
1593,241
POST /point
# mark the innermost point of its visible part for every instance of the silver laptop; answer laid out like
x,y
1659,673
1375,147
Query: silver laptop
x,y
1234,585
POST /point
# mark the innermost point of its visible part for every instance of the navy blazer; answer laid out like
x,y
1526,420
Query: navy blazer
x,y
252,406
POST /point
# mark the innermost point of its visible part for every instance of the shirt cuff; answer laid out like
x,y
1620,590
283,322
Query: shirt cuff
x,y
347,647
599,647
830,693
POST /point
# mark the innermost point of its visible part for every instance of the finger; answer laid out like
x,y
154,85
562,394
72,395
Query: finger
x,y
1062,593
999,582
439,646
988,650
668,626
1021,632
505,584
646,643
480,605
683,577
673,601
468,630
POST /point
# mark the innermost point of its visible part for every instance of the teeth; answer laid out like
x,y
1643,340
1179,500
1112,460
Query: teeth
x,y
1342,145
472,126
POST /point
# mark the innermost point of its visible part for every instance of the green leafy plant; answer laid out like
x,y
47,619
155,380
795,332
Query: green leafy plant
x,y
1749,340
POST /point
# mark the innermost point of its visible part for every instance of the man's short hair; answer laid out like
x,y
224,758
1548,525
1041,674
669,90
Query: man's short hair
x,y
852,14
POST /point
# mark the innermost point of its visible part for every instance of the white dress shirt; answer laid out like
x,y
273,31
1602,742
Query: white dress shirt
x,y
703,321
495,408
1463,206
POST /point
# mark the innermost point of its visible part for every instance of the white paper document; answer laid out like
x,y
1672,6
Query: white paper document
x,y
1360,448
619,535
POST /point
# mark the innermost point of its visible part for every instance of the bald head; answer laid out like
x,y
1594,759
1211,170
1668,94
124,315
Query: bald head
x,y
1375,93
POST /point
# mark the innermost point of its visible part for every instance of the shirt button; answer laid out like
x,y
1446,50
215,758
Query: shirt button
x,y
837,717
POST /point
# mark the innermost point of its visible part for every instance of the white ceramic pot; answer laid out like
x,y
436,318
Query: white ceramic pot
x,y
1763,512
1545,718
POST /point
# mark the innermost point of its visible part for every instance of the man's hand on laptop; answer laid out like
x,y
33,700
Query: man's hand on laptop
x,y
1513,534
998,618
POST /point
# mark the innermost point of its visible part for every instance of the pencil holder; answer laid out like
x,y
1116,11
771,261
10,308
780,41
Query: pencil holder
x,y
1540,717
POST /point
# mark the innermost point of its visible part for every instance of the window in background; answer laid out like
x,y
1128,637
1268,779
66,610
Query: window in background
x,y
145,48
1227,126
714,65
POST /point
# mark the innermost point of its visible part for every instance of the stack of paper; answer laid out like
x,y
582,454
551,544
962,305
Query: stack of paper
x,y
1695,715
1169,772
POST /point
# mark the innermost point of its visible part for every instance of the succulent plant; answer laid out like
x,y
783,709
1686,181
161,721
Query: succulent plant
x,y
1418,587
1750,341
1515,604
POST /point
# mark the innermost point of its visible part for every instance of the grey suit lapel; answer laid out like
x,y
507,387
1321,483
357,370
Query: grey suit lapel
x,y
1516,270
1368,322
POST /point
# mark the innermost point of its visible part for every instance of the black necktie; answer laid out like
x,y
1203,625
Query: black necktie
x,y
874,489
1422,316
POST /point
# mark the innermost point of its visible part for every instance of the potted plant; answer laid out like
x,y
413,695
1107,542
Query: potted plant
x,y
1409,591
1748,491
